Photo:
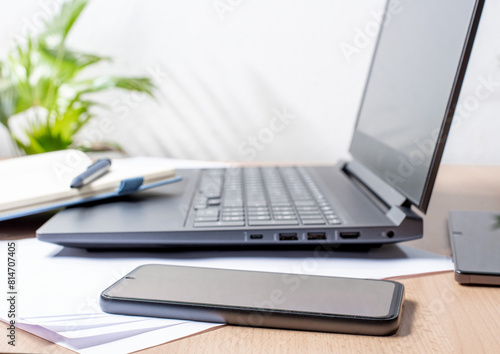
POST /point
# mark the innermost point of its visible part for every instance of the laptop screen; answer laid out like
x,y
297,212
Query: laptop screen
x,y
412,90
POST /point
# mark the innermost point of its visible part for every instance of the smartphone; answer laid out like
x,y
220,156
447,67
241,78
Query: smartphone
x,y
475,244
258,299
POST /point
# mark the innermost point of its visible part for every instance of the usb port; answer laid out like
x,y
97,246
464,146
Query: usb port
x,y
316,236
292,236
350,234
256,237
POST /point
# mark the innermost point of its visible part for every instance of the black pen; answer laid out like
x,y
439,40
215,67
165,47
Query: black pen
x,y
93,172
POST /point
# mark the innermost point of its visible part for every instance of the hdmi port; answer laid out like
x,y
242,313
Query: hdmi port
x,y
352,234
288,237
316,236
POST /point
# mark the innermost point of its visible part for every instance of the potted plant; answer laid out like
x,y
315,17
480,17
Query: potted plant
x,y
41,81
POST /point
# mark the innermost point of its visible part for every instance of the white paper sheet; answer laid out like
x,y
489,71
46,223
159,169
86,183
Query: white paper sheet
x,y
125,343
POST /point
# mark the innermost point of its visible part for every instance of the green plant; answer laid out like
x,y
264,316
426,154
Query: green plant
x,y
42,76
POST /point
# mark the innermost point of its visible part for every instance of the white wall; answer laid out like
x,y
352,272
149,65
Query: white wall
x,y
227,80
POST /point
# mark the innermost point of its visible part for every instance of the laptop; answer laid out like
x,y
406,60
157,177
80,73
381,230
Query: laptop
x,y
405,114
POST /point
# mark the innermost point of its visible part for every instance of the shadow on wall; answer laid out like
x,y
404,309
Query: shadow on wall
x,y
208,120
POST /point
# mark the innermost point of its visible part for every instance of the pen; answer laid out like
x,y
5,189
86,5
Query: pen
x,y
93,172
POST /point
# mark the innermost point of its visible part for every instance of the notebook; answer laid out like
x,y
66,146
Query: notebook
x,y
41,182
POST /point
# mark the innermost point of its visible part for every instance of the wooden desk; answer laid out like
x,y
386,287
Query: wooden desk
x,y
439,315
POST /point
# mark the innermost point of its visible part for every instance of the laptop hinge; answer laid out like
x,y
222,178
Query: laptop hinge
x,y
388,195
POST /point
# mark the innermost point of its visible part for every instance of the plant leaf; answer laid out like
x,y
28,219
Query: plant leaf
x,y
58,28
8,99
140,84
73,118
66,63
43,138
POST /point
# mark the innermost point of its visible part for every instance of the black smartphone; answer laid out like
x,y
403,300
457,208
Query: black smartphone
x,y
258,299
475,244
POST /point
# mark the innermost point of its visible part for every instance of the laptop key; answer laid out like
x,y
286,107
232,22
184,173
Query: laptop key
x,y
233,204
232,223
233,218
251,209
281,204
232,213
307,208
208,212
305,203
257,213
279,208
313,221
332,217
256,204
219,224
309,212
206,218
231,208
311,217
330,214
283,213
285,217
259,217
272,222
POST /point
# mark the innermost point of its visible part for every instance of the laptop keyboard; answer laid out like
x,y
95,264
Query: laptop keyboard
x,y
260,196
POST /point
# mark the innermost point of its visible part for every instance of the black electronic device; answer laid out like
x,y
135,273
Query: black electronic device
x,y
258,299
475,242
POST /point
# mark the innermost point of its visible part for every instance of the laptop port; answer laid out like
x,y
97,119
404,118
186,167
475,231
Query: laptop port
x,y
350,234
316,236
256,237
292,236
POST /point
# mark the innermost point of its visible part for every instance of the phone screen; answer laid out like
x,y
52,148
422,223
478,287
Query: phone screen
x,y
258,290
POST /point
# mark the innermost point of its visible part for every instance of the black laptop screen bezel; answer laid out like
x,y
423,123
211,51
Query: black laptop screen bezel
x,y
365,148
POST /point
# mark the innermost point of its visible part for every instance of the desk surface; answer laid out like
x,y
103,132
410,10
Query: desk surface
x,y
438,314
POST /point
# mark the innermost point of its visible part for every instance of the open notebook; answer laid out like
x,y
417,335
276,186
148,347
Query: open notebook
x,y
41,182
